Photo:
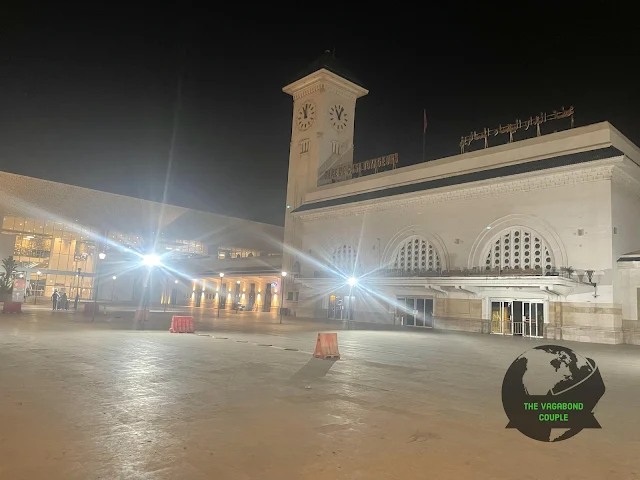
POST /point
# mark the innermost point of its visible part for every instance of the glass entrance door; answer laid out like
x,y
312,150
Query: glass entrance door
x,y
501,317
415,312
336,308
514,317
340,307
533,319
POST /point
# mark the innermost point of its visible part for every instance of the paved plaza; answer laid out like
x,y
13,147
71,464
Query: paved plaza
x,y
245,400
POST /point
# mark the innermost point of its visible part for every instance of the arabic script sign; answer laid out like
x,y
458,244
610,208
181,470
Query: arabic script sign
x,y
512,128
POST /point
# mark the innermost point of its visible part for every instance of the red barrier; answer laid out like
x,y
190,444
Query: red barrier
x,y
327,346
12,307
182,325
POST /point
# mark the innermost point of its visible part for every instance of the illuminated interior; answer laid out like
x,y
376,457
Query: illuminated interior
x,y
59,248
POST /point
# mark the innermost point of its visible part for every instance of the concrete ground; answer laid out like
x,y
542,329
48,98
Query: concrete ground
x,y
99,400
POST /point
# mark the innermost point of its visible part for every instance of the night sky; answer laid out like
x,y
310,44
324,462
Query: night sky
x,y
89,98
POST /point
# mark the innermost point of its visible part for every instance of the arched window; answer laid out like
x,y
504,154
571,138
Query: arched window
x,y
519,248
416,254
344,258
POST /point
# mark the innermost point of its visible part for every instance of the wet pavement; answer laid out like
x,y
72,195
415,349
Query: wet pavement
x,y
245,400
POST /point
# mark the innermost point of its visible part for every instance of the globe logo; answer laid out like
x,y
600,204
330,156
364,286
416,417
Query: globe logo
x,y
549,393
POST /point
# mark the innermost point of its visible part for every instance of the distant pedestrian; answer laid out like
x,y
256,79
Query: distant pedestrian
x,y
75,302
64,301
54,299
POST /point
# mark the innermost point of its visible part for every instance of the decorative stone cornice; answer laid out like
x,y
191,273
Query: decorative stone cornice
x,y
323,86
340,92
625,180
485,189
316,87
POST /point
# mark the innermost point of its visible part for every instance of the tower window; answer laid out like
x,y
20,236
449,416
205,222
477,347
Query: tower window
x,y
335,147
304,145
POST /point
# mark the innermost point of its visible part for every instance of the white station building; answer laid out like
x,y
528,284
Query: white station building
x,y
531,238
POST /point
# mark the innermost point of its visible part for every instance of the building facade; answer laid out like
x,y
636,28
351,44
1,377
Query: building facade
x,y
519,239
90,243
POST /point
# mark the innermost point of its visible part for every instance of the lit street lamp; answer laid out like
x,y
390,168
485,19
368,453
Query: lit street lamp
x,y
220,293
113,285
101,256
151,260
35,300
282,289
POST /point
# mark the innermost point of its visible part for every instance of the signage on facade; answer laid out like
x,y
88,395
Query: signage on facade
x,y
362,168
19,290
512,128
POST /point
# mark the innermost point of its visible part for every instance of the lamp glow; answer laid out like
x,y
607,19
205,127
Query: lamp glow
x,y
284,274
352,281
114,277
39,272
102,255
151,260
176,281
221,274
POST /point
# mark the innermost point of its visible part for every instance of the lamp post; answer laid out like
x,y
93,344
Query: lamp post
x,y
220,294
237,295
149,260
167,295
282,290
352,281
35,300
101,256
113,286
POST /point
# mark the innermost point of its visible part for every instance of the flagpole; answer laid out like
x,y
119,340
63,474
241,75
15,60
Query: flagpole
x,y
424,131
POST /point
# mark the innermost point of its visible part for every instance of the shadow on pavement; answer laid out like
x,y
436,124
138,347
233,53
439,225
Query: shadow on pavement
x,y
314,369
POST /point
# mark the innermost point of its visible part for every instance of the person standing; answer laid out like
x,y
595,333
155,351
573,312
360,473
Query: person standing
x,y
64,301
75,302
54,299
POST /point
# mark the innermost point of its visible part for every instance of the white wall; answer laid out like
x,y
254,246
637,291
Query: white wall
x,y
625,207
561,210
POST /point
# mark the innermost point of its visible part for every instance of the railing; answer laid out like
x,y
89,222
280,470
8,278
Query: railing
x,y
525,328
475,272
506,327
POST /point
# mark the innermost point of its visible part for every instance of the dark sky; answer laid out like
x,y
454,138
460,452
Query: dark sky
x,y
88,97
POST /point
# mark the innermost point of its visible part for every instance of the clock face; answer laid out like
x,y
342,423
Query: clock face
x,y
338,117
306,115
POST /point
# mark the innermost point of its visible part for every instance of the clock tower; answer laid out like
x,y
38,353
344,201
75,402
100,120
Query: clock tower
x,y
324,105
